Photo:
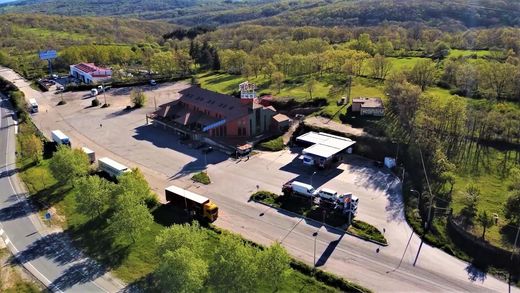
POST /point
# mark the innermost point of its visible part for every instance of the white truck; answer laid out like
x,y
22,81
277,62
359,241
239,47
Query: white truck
x,y
59,138
33,106
112,168
300,188
90,154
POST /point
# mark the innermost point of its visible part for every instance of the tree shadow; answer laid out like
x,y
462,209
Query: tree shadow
x,y
508,234
97,241
82,272
476,272
53,247
21,208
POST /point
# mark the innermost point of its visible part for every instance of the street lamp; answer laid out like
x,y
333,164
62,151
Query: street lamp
x,y
313,173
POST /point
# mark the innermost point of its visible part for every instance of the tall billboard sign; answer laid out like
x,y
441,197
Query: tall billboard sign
x,y
48,55
247,90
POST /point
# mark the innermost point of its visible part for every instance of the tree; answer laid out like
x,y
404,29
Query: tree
x,y
310,85
234,268
269,69
138,98
93,195
131,219
380,66
404,100
423,73
512,206
134,185
182,271
278,79
67,164
188,236
274,265
486,221
32,147
469,211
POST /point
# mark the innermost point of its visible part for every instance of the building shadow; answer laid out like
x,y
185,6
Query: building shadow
x,y
162,138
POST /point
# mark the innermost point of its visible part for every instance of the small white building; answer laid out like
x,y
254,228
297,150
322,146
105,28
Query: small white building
x,y
324,147
368,106
89,73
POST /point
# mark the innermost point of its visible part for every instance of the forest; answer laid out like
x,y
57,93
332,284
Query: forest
x,y
446,14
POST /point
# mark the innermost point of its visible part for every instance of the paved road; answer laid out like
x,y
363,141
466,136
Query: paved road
x,y
50,257
164,161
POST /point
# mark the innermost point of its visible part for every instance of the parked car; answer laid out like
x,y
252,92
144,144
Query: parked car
x,y
153,82
93,92
328,194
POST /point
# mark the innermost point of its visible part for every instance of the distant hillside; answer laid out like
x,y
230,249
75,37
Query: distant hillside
x,y
453,13
32,32
450,13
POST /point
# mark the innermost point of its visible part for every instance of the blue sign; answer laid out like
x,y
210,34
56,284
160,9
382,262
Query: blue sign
x,y
47,216
47,55
214,125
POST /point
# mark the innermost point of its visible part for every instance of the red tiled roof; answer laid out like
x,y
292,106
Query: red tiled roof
x,y
228,106
280,117
89,68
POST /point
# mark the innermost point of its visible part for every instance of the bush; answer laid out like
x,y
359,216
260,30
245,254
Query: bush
x,y
274,144
62,102
95,102
138,98
266,197
201,177
366,230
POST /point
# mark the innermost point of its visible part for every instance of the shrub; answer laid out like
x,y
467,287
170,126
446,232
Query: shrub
x,y
138,98
274,144
95,102
363,229
201,177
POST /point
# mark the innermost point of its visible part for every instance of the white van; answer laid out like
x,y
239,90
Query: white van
x,y
328,194
33,106
300,188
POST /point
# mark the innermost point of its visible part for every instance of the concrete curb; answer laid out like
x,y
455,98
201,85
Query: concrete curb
x,y
324,224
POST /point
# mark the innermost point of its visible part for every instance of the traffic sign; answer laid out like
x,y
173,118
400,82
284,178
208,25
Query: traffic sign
x,y
48,215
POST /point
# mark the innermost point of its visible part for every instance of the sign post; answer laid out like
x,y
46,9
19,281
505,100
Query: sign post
x,y
48,55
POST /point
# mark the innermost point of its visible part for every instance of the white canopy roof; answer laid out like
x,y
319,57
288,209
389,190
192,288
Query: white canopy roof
x,y
325,144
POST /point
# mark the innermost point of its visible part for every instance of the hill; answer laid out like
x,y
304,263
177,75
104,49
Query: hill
x,y
451,14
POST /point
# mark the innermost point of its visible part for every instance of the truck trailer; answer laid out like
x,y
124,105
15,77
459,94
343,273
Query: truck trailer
x,y
197,204
59,138
112,168
90,154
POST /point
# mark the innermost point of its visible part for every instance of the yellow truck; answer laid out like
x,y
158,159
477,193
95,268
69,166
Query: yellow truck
x,y
194,203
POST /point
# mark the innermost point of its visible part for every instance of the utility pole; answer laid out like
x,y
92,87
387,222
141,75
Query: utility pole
x,y
104,92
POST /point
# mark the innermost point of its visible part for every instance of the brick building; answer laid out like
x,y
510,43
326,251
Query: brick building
x,y
89,73
202,112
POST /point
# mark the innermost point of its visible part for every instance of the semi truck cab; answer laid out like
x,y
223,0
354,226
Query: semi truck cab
x,y
210,211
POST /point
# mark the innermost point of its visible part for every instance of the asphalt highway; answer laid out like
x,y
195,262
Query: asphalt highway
x,y
50,257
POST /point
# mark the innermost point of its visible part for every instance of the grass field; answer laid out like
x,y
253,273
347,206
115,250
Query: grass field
x,y
461,53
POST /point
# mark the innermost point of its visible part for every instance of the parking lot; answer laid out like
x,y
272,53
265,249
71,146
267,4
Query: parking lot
x,y
164,160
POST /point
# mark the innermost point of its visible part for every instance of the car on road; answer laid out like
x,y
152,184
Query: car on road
x,y
153,82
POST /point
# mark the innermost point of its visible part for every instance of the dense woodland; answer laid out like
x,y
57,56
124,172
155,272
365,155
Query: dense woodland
x,y
447,14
